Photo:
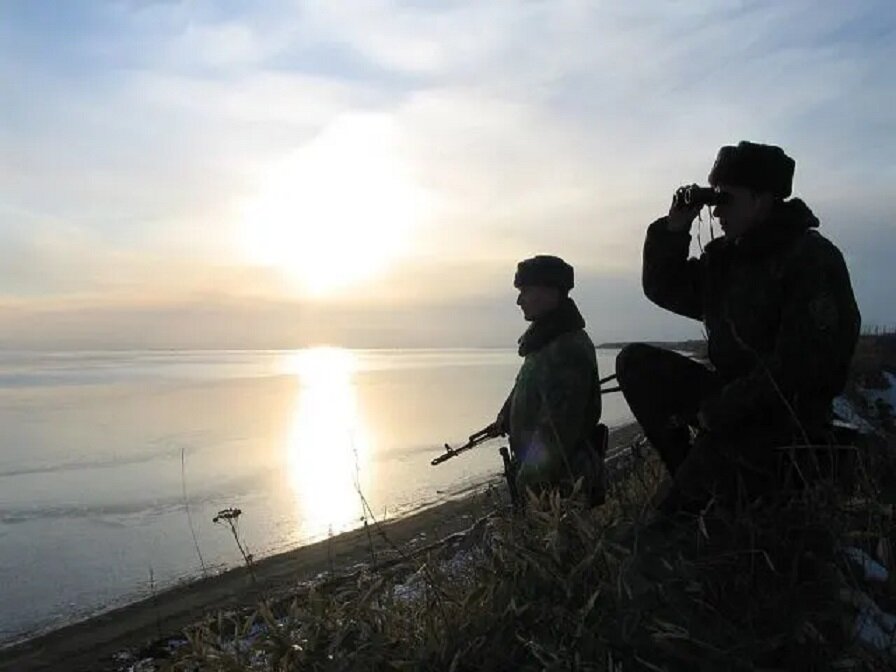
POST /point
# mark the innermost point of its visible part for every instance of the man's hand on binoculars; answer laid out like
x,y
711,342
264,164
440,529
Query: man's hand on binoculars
x,y
681,216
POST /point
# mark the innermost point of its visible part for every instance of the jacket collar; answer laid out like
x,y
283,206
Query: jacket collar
x,y
563,319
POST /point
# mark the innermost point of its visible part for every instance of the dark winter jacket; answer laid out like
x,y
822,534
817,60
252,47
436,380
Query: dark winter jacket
x,y
779,312
554,406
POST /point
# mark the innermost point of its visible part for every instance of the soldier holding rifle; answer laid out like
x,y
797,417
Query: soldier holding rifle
x,y
776,301
552,413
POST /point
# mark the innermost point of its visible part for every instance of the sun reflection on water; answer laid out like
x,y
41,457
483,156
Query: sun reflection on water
x,y
328,448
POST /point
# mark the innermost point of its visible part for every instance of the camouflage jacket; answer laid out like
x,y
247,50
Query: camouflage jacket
x,y
553,409
779,313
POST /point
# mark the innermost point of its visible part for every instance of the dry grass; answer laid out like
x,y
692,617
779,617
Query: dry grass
x,y
561,587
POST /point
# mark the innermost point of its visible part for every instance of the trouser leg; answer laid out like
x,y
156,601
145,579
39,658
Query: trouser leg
x,y
664,390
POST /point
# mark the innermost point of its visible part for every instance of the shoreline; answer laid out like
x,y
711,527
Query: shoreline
x,y
90,644
216,571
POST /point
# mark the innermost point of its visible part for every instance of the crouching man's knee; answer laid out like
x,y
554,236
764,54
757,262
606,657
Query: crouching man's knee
x,y
633,363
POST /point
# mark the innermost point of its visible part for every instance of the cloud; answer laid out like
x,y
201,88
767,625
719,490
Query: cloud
x,y
129,149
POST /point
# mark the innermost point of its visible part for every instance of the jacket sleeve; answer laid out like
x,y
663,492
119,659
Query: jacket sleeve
x,y
503,418
818,331
670,279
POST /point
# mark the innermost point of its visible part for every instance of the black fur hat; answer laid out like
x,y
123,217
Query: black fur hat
x,y
755,166
546,271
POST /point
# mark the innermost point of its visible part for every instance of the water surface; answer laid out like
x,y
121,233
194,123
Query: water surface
x,y
111,462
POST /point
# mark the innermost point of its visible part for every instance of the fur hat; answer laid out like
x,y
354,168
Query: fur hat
x,y
755,166
545,271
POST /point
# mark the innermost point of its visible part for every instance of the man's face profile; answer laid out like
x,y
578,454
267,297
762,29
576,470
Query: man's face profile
x,y
741,210
536,301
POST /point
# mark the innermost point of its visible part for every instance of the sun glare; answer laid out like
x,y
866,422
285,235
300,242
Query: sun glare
x,y
336,212
328,448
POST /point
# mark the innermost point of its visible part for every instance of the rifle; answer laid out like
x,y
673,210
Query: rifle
x,y
510,466
482,436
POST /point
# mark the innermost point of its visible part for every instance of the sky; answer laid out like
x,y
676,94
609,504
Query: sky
x,y
234,174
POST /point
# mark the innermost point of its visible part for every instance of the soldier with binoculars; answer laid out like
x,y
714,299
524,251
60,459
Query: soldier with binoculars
x,y
781,322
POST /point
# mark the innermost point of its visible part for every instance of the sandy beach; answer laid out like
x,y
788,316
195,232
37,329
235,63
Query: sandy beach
x,y
92,644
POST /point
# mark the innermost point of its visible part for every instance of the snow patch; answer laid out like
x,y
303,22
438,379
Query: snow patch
x,y
846,411
873,628
457,567
872,570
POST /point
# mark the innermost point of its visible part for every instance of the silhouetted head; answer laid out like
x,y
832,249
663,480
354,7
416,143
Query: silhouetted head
x,y
543,282
754,178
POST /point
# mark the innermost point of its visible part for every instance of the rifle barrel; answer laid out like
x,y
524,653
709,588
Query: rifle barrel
x,y
475,440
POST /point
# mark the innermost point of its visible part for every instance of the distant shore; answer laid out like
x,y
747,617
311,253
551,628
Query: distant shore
x,y
693,346
91,644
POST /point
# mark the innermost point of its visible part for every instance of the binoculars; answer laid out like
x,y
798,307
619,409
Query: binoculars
x,y
694,195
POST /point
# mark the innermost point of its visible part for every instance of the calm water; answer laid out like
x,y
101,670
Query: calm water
x,y
98,451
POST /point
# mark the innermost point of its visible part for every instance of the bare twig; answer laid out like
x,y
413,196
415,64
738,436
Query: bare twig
x,y
230,517
183,485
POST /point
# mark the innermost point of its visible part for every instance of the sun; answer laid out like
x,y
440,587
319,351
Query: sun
x,y
336,212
